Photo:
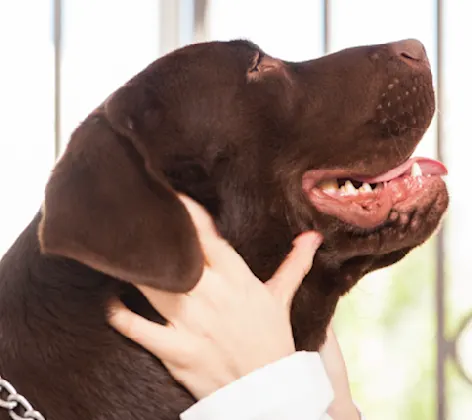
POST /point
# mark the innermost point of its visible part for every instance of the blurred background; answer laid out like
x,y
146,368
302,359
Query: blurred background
x,y
406,331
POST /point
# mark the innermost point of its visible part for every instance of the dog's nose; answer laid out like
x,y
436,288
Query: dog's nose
x,y
411,51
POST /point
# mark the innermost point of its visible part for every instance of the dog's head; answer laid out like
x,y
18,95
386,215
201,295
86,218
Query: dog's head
x,y
271,148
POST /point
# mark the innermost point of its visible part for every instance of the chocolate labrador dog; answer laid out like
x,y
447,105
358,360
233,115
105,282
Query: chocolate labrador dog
x,y
270,148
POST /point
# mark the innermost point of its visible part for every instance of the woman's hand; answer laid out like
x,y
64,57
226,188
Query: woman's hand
x,y
342,407
231,323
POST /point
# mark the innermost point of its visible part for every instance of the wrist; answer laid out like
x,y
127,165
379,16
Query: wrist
x,y
343,410
263,360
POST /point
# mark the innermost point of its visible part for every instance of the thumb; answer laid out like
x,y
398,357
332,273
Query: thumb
x,y
289,276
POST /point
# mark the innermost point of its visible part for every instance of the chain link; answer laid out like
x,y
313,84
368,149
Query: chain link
x,y
17,406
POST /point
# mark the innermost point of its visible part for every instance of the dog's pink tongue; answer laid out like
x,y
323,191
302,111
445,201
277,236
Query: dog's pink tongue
x,y
427,166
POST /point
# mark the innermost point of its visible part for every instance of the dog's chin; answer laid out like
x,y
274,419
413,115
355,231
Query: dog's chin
x,y
348,253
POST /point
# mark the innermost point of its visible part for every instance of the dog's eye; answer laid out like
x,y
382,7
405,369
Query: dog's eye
x,y
255,63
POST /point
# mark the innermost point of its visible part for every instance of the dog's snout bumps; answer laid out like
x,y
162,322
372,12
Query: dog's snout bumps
x,y
405,104
407,101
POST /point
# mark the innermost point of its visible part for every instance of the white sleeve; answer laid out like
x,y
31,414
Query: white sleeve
x,y
295,387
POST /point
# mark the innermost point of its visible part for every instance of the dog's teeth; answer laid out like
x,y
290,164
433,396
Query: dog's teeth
x,y
330,185
365,188
416,170
350,189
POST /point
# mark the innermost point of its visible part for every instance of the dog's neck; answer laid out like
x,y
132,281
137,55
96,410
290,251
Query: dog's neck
x,y
81,293
64,286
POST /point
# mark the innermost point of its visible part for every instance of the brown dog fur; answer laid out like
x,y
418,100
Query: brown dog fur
x,y
234,129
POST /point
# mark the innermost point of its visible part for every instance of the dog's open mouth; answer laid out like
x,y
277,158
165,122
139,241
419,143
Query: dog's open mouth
x,y
366,201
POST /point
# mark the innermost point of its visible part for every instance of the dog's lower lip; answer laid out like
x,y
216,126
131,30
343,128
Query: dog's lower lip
x,y
367,208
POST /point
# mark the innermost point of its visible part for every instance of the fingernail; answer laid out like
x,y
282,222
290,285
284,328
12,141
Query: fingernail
x,y
316,240
310,239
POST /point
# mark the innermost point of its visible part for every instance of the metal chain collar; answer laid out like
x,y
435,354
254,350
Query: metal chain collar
x,y
17,406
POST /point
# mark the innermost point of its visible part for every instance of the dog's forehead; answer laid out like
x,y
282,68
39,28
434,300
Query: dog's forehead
x,y
244,44
215,52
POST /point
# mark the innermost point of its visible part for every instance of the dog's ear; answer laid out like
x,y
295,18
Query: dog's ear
x,y
108,206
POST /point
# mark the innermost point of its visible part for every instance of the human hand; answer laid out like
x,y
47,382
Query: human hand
x,y
231,323
342,407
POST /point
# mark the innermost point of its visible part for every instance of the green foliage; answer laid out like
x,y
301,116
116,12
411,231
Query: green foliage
x,y
387,331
